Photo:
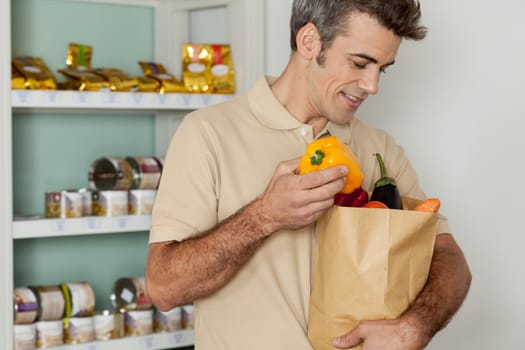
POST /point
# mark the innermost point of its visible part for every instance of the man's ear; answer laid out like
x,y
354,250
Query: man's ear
x,y
308,43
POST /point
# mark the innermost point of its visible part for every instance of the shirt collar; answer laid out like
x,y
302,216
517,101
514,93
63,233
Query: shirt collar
x,y
269,111
267,108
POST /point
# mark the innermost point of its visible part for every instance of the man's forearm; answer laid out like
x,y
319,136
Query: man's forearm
x,y
180,272
447,286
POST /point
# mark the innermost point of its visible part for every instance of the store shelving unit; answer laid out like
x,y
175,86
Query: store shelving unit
x,y
110,101
147,342
172,17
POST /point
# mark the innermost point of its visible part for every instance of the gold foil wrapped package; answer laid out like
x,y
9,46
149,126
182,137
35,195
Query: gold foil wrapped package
x,y
17,80
36,73
79,55
222,70
196,62
117,79
168,82
208,68
83,80
147,84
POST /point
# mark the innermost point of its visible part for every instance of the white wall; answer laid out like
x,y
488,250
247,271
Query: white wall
x,y
455,101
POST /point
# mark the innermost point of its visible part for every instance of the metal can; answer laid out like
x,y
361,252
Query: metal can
x,y
78,330
110,173
24,336
108,325
64,204
138,322
79,298
129,293
161,161
49,334
168,321
146,172
50,301
109,203
26,305
140,202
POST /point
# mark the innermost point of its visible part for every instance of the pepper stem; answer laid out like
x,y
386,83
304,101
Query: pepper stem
x,y
317,158
381,165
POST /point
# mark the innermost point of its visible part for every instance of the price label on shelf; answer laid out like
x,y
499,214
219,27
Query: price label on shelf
x,y
206,99
91,223
91,347
136,98
177,338
148,342
121,222
58,225
50,96
162,98
81,96
110,98
22,96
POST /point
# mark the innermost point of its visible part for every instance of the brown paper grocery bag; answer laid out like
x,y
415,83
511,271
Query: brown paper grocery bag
x,y
370,264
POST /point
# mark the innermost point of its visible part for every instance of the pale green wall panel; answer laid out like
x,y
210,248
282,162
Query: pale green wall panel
x,y
120,35
53,152
97,260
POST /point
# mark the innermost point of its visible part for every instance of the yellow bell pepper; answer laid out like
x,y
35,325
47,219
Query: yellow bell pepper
x,y
328,152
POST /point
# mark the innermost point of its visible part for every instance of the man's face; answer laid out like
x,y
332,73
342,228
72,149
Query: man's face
x,y
351,68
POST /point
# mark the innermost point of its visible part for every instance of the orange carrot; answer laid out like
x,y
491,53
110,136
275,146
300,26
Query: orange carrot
x,y
429,205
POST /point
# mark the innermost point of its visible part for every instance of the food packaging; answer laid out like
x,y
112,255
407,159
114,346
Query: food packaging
x,y
371,264
36,73
24,337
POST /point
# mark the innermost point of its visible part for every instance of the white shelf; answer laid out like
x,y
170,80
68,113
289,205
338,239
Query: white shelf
x,y
88,225
146,342
107,100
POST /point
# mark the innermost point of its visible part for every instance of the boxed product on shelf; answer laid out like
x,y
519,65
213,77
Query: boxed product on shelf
x,y
24,337
140,202
64,204
109,324
109,203
138,322
78,330
167,321
49,333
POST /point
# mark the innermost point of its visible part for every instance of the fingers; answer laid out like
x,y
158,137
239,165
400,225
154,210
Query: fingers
x,y
287,167
322,177
348,340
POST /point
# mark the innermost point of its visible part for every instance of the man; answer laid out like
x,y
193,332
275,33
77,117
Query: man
x,y
233,224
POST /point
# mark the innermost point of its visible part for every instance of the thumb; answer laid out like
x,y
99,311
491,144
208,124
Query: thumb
x,y
348,340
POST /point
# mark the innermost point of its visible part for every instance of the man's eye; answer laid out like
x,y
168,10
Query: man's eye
x,y
359,66
383,70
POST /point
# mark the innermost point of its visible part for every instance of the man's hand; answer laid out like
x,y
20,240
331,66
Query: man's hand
x,y
291,201
380,335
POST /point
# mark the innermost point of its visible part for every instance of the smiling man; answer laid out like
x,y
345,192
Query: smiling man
x,y
233,224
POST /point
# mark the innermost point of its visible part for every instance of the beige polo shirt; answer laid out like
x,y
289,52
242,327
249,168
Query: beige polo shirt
x,y
220,159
